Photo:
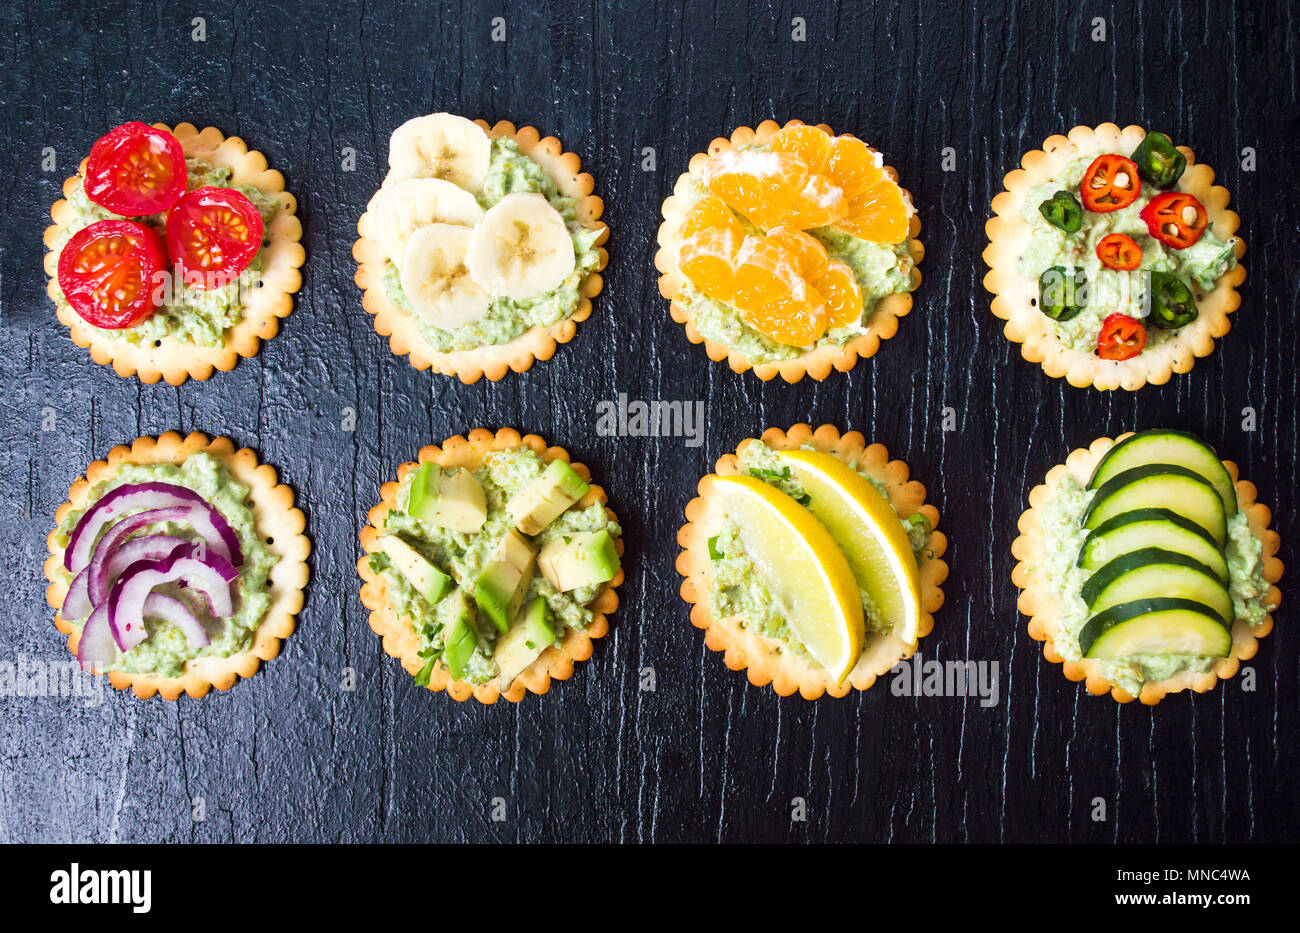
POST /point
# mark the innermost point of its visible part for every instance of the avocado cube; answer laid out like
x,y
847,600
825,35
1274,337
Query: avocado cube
x,y
430,582
532,633
447,498
579,559
543,499
504,581
459,634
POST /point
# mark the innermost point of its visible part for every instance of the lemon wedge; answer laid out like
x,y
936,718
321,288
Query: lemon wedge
x,y
802,567
867,530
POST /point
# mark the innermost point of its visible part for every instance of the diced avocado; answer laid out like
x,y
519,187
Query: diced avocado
x,y
447,498
459,634
504,581
532,633
543,499
579,559
430,582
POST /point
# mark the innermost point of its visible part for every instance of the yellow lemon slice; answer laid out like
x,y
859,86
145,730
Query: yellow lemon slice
x,y
802,567
867,530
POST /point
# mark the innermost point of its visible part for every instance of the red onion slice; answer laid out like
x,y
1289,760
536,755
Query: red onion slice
x,y
108,563
77,604
171,609
210,574
96,649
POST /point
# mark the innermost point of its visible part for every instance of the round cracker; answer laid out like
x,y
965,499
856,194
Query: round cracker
x,y
173,359
277,521
399,637
882,323
537,343
1009,233
769,660
1037,602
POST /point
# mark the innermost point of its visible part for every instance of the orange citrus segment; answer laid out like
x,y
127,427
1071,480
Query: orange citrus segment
x,y
853,165
705,213
878,214
807,250
842,293
761,185
706,259
809,143
773,297
820,203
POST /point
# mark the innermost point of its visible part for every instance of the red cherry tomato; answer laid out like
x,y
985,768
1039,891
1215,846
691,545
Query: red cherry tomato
x,y
1121,338
1120,252
135,170
110,272
1175,218
1110,183
213,234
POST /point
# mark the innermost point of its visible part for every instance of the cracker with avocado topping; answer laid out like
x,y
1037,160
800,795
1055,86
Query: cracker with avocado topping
x,y
1039,602
400,639
170,357
768,660
880,322
402,327
278,523
1015,295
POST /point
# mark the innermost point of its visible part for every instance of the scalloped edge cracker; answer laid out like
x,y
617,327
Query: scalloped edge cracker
x,y
766,660
276,519
173,359
1037,602
816,363
1009,233
399,638
537,343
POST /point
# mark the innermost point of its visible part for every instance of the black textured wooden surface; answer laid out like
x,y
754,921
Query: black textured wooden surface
x,y
290,756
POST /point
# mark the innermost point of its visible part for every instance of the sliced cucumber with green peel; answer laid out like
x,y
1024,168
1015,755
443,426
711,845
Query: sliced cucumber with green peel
x,y
1144,528
1153,572
1161,626
1164,486
1173,448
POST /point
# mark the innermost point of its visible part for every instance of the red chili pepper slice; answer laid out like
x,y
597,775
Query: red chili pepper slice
x,y
1175,218
1121,338
1120,252
1110,183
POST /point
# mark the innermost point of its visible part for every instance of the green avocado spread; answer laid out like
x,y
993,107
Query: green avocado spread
x,y
881,270
1064,534
734,583
166,649
463,557
1110,291
193,315
510,172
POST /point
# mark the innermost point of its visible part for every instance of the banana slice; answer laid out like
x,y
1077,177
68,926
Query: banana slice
x,y
403,207
441,145
435,279
521,248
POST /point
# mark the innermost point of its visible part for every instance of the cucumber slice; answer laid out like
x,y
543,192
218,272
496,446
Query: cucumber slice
x,y
1155,626
1155,572
1143,528
1160,485
1167,446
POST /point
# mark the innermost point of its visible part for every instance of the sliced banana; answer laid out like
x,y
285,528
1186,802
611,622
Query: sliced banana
x,y
521,248
435,278
441,145
401,208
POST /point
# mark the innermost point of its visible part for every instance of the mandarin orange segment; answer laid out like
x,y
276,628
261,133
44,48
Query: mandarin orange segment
x,y
707,257
773,297
878,214
809,143
760,184
808,252
842,293
708,212
852,165
819,204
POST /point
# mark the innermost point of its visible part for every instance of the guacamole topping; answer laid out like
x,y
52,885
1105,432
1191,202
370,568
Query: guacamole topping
x,y
510,172
463,556
1110,291
881,270
166,649
734,582
1063,535
194,315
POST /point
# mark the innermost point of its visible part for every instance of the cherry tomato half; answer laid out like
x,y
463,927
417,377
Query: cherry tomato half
x,y
135,170
213,234
110,272
1175,218
1121,338
1120,252
1110,183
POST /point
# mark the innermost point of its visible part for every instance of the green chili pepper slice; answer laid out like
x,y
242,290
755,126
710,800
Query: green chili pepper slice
x,y
1062,294
1158,161
1171,302
1062,211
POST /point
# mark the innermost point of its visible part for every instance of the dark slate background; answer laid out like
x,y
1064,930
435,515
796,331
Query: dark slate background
x,y
290,756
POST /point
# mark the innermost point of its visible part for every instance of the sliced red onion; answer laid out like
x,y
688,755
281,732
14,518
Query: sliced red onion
x,y
205,519
170,609
108,563
96,648
77,604
211,574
